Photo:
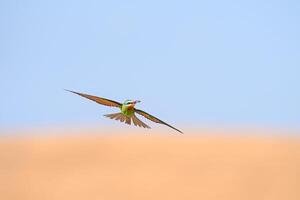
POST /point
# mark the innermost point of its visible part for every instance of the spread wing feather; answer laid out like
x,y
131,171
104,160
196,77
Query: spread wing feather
x,y
100,100
154,119
138,122
119,117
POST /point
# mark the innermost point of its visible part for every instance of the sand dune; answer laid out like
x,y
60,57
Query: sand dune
x,y
87,165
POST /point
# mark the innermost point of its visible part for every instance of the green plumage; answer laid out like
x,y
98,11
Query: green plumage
x,y
127,110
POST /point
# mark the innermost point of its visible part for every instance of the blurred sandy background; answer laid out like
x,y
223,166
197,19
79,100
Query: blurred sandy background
x,y
90,164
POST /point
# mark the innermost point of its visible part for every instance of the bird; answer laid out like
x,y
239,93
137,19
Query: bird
x,y
127,109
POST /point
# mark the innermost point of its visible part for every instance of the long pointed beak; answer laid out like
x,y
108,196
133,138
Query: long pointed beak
x,y
137,101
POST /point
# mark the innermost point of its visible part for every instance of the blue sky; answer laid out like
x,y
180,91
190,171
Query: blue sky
x,y
198,62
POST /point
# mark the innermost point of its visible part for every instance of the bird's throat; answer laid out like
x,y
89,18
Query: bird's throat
x,y
127,110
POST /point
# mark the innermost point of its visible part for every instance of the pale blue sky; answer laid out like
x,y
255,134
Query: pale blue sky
x,y
199,62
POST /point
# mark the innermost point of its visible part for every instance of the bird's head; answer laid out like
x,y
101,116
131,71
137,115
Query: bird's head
x,y
131,102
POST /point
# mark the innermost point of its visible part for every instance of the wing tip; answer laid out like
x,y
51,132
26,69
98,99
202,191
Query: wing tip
x,y
70,91
178,130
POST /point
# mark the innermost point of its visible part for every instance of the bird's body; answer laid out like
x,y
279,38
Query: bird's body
x,y
127,109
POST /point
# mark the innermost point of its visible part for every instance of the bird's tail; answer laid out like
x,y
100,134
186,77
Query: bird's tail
x,y
120,117
138,122
123,118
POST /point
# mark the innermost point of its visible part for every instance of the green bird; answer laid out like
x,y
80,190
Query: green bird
x,y
127,113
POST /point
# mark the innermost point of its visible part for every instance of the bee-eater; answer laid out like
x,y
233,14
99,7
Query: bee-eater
x,y
127,113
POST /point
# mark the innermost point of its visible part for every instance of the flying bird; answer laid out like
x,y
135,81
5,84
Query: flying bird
x,y
127,109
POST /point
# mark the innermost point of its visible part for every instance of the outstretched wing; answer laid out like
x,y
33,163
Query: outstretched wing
x,y
103,101
154,119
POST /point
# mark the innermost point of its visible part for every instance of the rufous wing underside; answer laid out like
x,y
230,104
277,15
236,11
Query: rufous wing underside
x,y
154,119
99,100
